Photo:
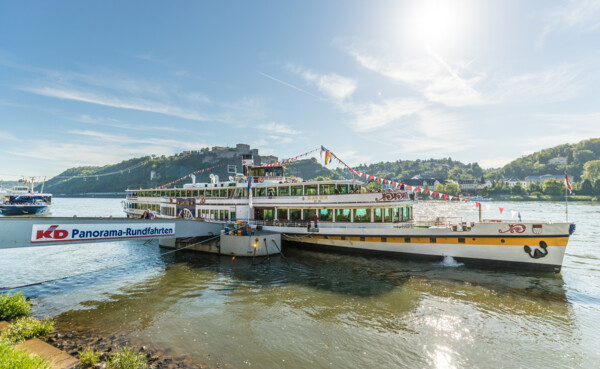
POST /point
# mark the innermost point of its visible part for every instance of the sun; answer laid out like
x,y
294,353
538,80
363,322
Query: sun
x,y
437,23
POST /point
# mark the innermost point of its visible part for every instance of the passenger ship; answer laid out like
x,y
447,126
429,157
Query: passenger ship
x,y
341,216
23,200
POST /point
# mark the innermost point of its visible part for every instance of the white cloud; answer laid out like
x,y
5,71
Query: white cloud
x,y
371,116
140,104
495,162
551,85
7,136
278,128
333,85
431,75
580,14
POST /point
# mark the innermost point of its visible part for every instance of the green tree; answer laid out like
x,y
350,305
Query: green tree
x,y
553,187
586,188
440,188
583,156
452,189
591,170
597,187
533,187
375,186
517,189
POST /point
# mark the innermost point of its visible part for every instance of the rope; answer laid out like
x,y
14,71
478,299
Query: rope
x,y
9,288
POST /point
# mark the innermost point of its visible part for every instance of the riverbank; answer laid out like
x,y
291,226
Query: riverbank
x,y
574,198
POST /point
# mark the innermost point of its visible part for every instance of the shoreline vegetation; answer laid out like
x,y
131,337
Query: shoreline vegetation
x,y
113,352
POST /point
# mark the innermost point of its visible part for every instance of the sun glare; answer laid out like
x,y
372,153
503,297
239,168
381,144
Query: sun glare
x,y
437,23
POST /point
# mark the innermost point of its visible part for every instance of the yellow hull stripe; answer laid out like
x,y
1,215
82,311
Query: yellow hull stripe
x,y
505,241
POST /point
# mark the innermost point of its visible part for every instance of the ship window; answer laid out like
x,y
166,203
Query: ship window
x,y
343,238
342,215
407,239
233,215
377,215
326,189
309,214
383,239
222,193
387,214
272,191
297,191
226,214
395,215
405,213
432,239
461,239
362,238
295,214
189,193
362,215
200,193
268,214
195,193
342,189
261,192
283,191
325,215
310,190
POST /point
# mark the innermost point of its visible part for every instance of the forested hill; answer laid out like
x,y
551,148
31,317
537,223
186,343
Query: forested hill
x,y
442,169
583,162
137,173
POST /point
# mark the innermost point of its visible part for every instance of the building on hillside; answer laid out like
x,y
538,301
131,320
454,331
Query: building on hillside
x,y
513,182
543,178
423,182
468,185
486,184
270,159
558,161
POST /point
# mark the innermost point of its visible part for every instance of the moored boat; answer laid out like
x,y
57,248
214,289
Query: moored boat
x,y
340,215
23,200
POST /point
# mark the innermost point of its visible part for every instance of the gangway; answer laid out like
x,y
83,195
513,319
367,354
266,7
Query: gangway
x,y
47,231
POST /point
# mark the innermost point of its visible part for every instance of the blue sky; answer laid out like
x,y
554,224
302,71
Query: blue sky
x,y
94,83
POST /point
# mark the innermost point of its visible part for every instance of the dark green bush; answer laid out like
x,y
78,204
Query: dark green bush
x,y
27,327
13,306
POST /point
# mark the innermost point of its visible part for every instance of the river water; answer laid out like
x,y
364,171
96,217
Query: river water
x,y
324,310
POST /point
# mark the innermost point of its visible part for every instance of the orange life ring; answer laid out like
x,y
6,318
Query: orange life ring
x,y
202,200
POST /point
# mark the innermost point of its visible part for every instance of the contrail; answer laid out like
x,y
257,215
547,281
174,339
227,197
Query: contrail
x,y
290,85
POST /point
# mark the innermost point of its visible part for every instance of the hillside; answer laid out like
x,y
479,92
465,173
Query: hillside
x,y
583,162
539,163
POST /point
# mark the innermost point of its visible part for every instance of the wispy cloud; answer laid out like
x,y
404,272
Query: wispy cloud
x,y
7,136
111,122
431,75
550,85
581,14
333,85
372,116
290,85
140,104
278,128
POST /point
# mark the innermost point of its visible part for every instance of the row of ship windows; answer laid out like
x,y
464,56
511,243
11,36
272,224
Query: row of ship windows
x,y
293,190
366,215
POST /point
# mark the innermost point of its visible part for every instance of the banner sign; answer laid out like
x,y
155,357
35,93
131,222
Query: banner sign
x,y
42,233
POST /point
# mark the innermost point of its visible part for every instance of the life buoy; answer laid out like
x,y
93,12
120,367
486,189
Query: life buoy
x,y
261,179
202,200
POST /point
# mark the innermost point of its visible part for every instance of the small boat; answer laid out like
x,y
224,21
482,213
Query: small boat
x,y
479,198
23,200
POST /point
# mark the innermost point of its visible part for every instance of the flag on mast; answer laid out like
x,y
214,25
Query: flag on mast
x,y
568,183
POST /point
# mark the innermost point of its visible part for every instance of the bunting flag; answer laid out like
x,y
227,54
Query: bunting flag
x,y
501,210
477,204
328,157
